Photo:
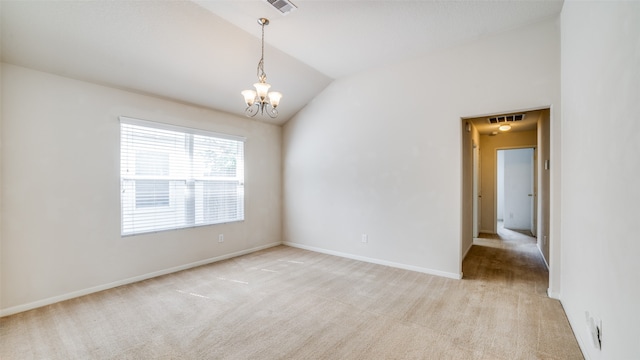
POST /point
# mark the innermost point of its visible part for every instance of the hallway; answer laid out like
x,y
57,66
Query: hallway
x,y
508,237
510,257
508,265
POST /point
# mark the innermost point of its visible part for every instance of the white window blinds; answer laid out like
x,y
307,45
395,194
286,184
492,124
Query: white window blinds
x,y
173,177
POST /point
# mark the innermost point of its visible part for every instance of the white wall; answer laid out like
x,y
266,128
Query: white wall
x,y
543,185
601,168
470,185
380,152
61,186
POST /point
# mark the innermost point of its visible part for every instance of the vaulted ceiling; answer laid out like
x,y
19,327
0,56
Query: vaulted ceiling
x,y
204,52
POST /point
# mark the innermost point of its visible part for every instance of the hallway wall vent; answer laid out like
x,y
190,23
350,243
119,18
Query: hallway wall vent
x,y
505,118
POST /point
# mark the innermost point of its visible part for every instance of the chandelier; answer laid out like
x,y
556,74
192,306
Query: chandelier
x,y
261,100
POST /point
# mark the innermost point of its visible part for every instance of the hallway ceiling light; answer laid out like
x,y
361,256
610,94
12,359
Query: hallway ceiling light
x,y
505,127
261,100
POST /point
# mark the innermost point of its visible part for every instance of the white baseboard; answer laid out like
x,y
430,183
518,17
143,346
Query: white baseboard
x,y
52,300
542,255
377,261
575,325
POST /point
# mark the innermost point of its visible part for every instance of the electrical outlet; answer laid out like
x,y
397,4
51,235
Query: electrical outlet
x,y
221,238
365,238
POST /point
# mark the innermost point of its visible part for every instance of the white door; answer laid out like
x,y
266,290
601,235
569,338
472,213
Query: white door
x,y
518,189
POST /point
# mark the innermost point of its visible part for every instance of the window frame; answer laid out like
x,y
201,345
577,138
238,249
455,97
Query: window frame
x,y
194,204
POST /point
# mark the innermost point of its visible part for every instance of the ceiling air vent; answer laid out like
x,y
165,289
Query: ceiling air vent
x,y
283,6
506,118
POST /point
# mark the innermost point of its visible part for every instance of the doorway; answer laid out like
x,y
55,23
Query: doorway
x,y
515,190
481,138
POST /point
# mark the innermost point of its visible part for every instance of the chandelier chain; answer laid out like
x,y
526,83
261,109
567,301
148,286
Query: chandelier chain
x,y
262,76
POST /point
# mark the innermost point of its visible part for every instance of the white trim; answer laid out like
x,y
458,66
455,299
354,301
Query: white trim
x,y
182,129
55,299
377,261
584,346
542,255
553,295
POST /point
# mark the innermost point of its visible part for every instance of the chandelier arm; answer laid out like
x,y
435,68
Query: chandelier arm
x,y
272,112
252,110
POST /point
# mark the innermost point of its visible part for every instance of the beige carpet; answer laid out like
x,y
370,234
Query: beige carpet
x,y
287,303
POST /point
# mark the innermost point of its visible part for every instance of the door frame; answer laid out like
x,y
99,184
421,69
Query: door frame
x,y
477,197
549,184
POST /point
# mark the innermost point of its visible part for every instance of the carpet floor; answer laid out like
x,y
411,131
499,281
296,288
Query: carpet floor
x,y
287,303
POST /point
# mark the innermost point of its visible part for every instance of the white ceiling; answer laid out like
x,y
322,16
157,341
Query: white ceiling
x,y
205,52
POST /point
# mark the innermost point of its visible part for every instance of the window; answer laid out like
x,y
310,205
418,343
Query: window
x,y
149,192
173,177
